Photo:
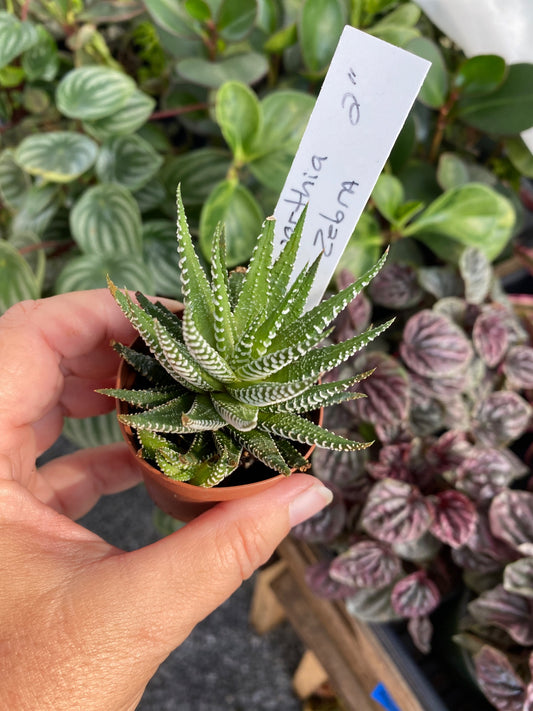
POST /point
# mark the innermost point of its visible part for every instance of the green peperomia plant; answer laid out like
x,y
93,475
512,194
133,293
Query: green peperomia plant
x,y
234,375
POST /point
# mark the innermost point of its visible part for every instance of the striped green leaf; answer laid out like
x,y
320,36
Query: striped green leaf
x,y
17,281
263,447
35,256
321,395
128,119
195,285
223,320
93,92
141,398
255,293
298,429
161,257
202,416
144,364
106,220
323,314
93,431
56,156
129,161
151,196
90,271
164,418
203,353
321,360
38,207
237,414
264,394
170,321
15,37
41,60
14,182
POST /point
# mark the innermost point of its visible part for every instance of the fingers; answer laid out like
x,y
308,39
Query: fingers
x,y
72,484
179,580
63,335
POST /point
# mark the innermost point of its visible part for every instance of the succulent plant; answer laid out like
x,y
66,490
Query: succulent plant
x,y
232,378
436,498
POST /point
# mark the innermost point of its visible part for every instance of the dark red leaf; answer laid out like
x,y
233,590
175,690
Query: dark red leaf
x,y
415,595
491,336
387,391
518,367
508,611
402,462
487,471
421,630
433,346
449,451
498,680
396,512
366,564
396,286
501,418
322,584
455,518
511,517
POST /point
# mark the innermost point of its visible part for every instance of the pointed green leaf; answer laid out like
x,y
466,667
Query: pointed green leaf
x,y
322,360
143,364
283,265
93,92
176,471
298,429
56,156
291,455
195,285
227,447
263,394
164,418
244,345
223,321
202,416
237,414
182,362
263,447
205,355
158,311
255,292
323,314
142,398
322,395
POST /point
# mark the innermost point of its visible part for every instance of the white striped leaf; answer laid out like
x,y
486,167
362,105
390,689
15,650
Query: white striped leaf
x,y
129,161
203,353
15,37
126,120
263,394
93,92
17,281
106,220
237,414
90,271
41,61
36,258
14,182
39,206
294,427
57,156
151,196
93,431
161,257
202,416
263,447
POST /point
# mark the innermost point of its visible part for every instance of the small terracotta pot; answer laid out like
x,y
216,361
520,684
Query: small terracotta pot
x,y
185,501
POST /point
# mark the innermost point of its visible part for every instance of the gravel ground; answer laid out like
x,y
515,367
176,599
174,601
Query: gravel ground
x,y
223,665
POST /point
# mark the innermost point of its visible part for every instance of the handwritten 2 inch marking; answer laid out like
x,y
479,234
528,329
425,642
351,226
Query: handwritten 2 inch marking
x,y
325,237
349,98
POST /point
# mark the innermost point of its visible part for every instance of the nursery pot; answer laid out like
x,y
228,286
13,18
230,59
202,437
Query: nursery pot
x,y
185,501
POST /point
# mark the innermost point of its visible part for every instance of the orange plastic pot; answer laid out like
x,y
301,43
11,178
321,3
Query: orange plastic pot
x,y
185,501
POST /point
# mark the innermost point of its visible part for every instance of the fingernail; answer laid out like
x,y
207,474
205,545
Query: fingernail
x,y
308,503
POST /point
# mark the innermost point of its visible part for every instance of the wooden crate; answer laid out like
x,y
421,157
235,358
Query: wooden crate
x,y
349,652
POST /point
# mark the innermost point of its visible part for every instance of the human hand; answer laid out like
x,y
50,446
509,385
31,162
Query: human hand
x,y
83,624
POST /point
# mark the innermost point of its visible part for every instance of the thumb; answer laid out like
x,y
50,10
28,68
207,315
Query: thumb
x,y
179,580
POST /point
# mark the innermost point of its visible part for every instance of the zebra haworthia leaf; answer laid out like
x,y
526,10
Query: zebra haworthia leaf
x,y
244,361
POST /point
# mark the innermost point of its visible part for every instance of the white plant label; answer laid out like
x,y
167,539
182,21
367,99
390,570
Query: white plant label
x,y
363,103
